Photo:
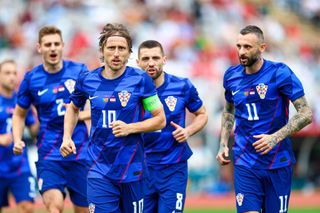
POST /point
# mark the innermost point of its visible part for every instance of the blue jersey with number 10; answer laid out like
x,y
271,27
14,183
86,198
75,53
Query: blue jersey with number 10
x,y
117,158
261,103
49,92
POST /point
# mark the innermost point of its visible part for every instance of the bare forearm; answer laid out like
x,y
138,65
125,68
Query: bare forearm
x,y
198,122
18,123
227,122
296,123
70,120
157,122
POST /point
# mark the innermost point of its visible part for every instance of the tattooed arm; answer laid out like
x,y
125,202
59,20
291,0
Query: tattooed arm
x,y
227,122
302,118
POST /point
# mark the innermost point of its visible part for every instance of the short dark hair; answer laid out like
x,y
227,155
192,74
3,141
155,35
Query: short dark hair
x,y
114,30
150,44
253,29
10,61
48,30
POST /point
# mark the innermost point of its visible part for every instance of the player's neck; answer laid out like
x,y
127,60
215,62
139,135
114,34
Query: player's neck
x,y
159,81
6,92
53,68
255,67
112,74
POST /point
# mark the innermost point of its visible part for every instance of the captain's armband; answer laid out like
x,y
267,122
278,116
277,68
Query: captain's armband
x,y
151,103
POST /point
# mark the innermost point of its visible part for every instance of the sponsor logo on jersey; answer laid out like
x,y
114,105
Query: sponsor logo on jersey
x,y
171,102
239,198
124,97
92,207
69,84
262,90
41,92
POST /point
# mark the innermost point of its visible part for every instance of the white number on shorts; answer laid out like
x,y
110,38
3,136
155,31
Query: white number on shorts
x,y
32,182
179,201
111,118
283,203
138,207
255,114
60,108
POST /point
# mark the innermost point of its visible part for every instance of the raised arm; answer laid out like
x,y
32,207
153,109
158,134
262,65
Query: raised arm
x,y
227,122
18,125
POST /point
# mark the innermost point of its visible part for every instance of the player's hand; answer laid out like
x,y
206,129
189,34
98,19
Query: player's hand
x,y
264,144
5,139
223,155
180,134
67,147
18,147
120,128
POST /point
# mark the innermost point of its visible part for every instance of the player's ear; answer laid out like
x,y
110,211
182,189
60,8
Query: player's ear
x,y
38,46
164,60
263,47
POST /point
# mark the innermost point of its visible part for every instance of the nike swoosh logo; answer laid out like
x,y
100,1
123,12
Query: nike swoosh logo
x,y
235,92
92,97
41,92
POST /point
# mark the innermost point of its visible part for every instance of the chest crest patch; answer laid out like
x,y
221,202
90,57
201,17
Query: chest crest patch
x,y
171,102
124,97
70,83
262,90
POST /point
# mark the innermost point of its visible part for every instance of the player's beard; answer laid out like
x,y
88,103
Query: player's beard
x,y
250,61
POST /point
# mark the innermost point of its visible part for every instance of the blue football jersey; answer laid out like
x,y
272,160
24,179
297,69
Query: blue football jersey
x,y
120,159
176,95
11,165
49,93
261,103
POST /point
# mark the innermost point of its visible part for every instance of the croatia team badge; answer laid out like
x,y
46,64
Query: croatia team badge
x,y
240,197
124,97
70,83
171,102
262,90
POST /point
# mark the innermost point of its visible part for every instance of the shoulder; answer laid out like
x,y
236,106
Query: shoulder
x,y
178,79
75,66
135,71
233,70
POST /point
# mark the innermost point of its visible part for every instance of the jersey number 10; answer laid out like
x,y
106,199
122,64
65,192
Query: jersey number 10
x,y
106,123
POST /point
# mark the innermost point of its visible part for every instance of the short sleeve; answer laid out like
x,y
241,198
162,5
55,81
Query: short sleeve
x,y
289,84
79,96
194,102
24,95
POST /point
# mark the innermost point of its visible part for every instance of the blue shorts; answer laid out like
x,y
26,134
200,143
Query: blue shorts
x,y
64,174
165,188
266,190
105,195
22,187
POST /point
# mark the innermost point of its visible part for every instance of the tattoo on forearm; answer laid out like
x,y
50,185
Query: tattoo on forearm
x,y
227,121
298,121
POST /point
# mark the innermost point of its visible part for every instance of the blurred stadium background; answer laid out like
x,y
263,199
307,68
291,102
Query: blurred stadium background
x,y
199,39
